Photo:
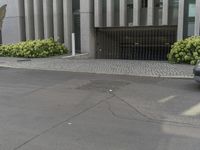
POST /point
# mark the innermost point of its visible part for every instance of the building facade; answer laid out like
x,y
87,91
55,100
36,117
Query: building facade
x,y
130,27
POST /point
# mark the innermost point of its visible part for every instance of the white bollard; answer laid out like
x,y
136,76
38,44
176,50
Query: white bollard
x,y
73,45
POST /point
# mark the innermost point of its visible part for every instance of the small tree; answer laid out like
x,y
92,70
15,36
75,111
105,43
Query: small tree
x,y
2,15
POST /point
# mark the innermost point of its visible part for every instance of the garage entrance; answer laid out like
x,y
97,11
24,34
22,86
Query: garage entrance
x,y
136,43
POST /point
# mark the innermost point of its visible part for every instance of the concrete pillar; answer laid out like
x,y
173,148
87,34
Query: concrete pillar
x,y
136,12
181,13
165,13
48,18
87,27
197,19
58,20
150,12
29,19
98,13
68,22
38,19
110,13
123,12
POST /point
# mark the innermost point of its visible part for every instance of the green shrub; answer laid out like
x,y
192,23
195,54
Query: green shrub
x,y
33,49
185,51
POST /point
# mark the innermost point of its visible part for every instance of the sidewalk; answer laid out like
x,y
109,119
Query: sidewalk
x,y
117,67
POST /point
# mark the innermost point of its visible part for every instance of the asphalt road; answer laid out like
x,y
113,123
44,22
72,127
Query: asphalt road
x,y
47,110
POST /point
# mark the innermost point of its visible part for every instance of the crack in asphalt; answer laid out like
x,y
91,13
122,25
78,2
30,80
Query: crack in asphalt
x,y
106,100
62,122
119,117
154,121
148,118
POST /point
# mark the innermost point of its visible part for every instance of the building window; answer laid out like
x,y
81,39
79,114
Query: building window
x,y
189,21
173,12
159,3
144,3
130,6
130,12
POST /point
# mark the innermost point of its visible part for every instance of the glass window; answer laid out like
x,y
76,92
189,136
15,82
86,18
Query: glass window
x,y
158,12
76,23
192,9
159,3
189,19
104,12
144,3
116,12
130,12
173,12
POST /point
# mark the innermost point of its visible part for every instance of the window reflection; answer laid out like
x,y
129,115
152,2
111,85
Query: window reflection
x,y
173,12
189,18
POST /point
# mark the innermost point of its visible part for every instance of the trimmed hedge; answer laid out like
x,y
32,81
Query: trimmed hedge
x,y
33,49
185,51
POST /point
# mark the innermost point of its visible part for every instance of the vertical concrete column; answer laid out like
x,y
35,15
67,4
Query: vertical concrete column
x,y
87,27
38,19
165,13
123,12
68,22
110,18
181,13
98,13
58,20
136,12
29,19
197,19
150,12
48,18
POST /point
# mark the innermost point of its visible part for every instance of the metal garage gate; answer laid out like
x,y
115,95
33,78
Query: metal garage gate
x,y
136,43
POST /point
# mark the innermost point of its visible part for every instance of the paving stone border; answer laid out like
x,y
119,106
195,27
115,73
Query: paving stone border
x,y
102,66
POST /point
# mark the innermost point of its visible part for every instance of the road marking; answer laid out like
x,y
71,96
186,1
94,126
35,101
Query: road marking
x,y
164,100
193,111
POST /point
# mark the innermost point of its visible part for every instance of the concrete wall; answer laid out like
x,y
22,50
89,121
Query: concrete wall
x,y
13,25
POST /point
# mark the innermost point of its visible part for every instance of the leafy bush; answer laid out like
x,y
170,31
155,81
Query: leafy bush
x,y
33,49
185,51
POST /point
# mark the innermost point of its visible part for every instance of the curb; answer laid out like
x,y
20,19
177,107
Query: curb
x,y
78,56
105,73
